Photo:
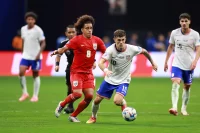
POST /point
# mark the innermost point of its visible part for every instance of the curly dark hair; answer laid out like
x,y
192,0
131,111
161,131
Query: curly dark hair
x,y
82,20
31,14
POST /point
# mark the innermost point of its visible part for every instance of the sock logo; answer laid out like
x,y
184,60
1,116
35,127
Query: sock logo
x,y
75,83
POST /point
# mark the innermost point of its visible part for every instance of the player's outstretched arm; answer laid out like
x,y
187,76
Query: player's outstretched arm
x,y
194,63
57,60
60,51
169,52
148,56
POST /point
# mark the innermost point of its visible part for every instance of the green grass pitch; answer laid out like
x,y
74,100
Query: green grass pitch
x,y
149,96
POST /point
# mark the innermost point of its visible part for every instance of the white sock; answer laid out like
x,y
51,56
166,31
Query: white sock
x,y
124,102
23,84
95,109
175,95
36,86
185,98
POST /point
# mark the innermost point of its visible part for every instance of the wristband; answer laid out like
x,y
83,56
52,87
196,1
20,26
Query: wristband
x,y
57,63
105,69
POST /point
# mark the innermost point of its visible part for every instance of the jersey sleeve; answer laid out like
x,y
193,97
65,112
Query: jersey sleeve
x,y
22,33
171,39
101,45
72,44
41,35
136,49
108,54
197,40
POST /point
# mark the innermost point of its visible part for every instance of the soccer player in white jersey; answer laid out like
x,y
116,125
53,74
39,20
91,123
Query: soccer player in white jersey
x,y
184,40
33,45
117,76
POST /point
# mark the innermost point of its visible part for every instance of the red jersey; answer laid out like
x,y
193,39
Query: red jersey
x,y
84,52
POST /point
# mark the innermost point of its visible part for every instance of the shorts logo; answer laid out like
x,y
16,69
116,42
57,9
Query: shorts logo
x,y
95,46
172,74
75,83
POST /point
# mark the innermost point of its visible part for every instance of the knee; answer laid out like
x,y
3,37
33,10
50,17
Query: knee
x,y
77,95
117,102
186,87
88,97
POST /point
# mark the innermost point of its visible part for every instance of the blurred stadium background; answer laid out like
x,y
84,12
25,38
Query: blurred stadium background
x,y
148,24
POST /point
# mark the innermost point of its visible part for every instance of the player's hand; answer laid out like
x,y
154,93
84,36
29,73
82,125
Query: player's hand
x,y
107,72
54,53
166,67
56,68
94,66
193,66
37,57
155,67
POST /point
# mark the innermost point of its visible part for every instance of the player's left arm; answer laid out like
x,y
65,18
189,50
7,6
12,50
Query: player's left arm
x,y
197,56
42,43
148,56
101,46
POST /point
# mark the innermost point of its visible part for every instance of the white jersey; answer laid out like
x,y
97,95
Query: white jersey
x,y
31,38
120,63
184,48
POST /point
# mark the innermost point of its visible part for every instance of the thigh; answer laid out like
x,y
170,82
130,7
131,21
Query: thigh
x,y
176,73
76,81
122,89
36,65
24,65
106,90
67,77
187,76
88,81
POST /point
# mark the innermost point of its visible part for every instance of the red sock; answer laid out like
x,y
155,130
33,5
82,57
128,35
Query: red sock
x,y
70,98
82,105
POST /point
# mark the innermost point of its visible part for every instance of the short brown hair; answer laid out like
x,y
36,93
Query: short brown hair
x,y
185,15
119,33
84,19
31,14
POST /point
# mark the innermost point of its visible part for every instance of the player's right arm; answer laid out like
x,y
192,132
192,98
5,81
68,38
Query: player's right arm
x,y
169,50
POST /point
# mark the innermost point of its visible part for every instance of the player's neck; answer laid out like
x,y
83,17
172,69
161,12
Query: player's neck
x,y
185,31
86,37
30,26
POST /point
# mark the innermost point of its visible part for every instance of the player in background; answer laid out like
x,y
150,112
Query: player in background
x,y
184,41
118,77
84,47
70,32
33,45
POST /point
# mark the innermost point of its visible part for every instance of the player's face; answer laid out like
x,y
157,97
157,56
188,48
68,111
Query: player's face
x,y
70,33
87,30
185,23
30,21
120,43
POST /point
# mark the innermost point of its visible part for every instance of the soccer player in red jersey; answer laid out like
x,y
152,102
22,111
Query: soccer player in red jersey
x,y
81,76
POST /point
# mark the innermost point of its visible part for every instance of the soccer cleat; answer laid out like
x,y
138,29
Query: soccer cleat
x,y
73,119
173,112
68,110
34,99
58,110
23,97
184,112
91,120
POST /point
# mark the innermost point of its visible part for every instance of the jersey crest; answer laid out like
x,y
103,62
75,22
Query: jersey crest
x,y
95,46
75,83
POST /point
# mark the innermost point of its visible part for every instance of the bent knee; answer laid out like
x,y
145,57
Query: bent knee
x,y
89,97
77,95
118,102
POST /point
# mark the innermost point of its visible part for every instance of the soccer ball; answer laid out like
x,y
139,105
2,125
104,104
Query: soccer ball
x,y
129,114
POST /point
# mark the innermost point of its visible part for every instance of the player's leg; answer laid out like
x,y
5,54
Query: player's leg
x,y
24,64
176,77
121,92
105,91
77,83
88,90
70,107
36,66
187,78
95,108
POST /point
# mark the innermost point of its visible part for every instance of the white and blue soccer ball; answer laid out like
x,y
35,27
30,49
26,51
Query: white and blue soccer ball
x,y
129,114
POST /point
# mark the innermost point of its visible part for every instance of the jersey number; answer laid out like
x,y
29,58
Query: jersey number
x,y
88,55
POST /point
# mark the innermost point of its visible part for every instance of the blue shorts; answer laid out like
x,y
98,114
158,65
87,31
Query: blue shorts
x,y
185,75
106,89
35,64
